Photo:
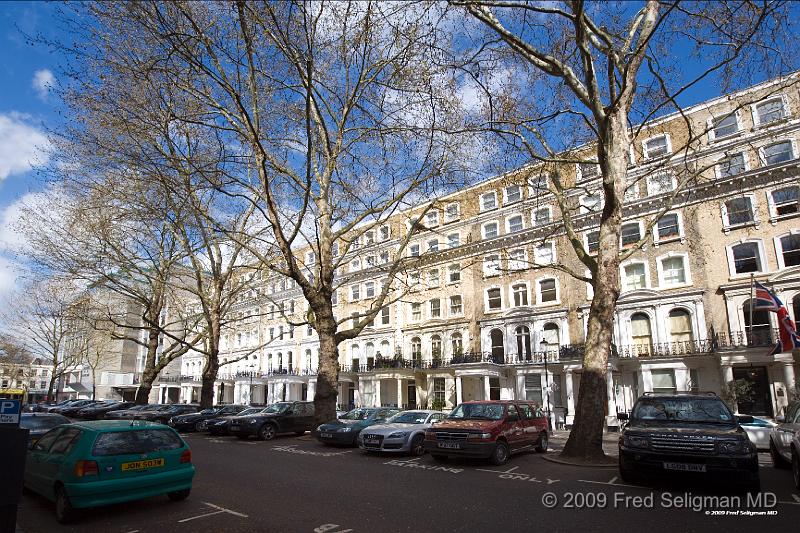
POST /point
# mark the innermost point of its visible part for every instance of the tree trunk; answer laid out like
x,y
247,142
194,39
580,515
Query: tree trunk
x,y
586,439
50,388
149,374
327,389
208,378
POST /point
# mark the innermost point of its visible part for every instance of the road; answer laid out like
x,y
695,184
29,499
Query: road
x,y
296,484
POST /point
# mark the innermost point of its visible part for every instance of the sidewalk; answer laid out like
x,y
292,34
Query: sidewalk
x,y
559,438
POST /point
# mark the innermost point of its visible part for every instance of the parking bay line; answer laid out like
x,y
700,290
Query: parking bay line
x,y
219,510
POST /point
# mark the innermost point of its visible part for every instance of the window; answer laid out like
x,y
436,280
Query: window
x,y
457,343
451,212
641,334
785,201
413,250
436,347
746,258
732,166
454,273
779,152
432,219
635,276
353,318
355,265
668,227
593,241
722,127
385,316
369,237
488,201
438,392
761,329
551,339
384,233
513,193
533,389
694,380
680,326
413,279
660,183
523,335
369,261
591,203
491,265
355,293
416,311
588,171
663,381
631,190
516,259
541,216
369,289
416,349
453,240
657,147
739,211
490,230
520,292
548,291
384,257
673,271
515,224
335,298
790,250
494,299
311,258
544,254
769,111
436,308
433,278
631,233
455,305
433,245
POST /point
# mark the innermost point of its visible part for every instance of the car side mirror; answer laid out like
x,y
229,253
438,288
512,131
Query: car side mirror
x,y
780,419
622,416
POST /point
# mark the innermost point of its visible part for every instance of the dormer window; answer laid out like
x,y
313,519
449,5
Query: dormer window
x,y
769,111
488,201
513,193
451,212
432,219
657,147
725,126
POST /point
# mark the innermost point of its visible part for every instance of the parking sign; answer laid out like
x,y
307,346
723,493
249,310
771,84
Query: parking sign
x,y
9,411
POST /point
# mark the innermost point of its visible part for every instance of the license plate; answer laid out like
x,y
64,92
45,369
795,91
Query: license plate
x,y
372,441
685,467
449,445
142,465
326,435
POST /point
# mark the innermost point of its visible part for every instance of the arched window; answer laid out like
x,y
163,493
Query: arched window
x,y
355,351
680,326
641,334
498,346
523,334
386,350
759,332
551,338
290,360
416,349
796,311
269,362
436,347
308,359
457,344
369,350
280,361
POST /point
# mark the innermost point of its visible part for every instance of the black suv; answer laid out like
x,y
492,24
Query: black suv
x,y
281,417
692,434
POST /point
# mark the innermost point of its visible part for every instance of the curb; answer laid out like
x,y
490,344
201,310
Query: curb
x,y
560,461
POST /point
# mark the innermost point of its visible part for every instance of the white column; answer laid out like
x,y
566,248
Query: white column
x,y
612,403
312,388
570,393
399,393
216,392
237,392
727,375
486,388
377,400
459,390
788,377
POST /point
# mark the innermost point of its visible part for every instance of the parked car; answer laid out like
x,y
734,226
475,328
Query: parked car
x,y
687,434
46,408
402,433
780,440
38,424
165,412
281,417
219,426
197,421
64,405
98,412
758,430
490,430
346,429
795,448
72,410
127,414
90,464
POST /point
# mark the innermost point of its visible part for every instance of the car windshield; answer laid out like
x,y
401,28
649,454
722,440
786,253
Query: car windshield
x,y
135,442
707,411
251,411
230,410
277,407
210,411
358,414
408,417
42,422
477,411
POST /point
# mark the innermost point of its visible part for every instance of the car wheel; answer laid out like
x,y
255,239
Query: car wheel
x,y
200,425
796,470
438,457
64,511
417,447
179,495
500,454
777,460
267,432
542,443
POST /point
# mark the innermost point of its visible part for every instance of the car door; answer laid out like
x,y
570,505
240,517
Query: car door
x,y
52,463
785,431
305,422
528,423
33,461
514,431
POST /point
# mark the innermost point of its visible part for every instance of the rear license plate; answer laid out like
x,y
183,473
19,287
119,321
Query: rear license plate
x,y
142,465
685,467
374,442
326,435
449,445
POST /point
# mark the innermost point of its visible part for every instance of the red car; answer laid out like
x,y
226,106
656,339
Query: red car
x,y
489,429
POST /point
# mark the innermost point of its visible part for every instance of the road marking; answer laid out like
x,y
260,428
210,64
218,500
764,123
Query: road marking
x,y
292,448
219,510
796,498
613,479
498,471
610,483
226,510
200,516
133,531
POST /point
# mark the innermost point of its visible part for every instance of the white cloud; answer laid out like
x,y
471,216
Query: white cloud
x,y
22,145
43,81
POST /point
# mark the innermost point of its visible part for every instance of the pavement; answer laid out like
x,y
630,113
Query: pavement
x,y
297,484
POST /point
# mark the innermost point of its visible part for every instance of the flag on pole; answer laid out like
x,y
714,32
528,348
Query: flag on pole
x,y
766,300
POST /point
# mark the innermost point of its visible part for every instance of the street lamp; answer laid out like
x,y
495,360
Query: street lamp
x,y
544,345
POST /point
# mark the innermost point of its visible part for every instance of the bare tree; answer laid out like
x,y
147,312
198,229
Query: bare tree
x,y
598,69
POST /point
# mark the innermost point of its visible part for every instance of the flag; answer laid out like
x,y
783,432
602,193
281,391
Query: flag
x,y
766,300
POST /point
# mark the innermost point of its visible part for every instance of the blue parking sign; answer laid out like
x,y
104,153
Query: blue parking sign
x,y
9,411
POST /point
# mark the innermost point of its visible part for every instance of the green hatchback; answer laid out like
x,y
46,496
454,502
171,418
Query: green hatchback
x,y
89,464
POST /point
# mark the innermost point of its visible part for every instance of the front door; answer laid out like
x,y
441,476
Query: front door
x,y
412,395
759,402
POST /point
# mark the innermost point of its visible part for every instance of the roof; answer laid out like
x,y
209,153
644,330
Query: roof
x,y
117,425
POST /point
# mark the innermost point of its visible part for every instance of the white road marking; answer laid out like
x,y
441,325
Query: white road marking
x,y
613,479
611,484
226,510
498,471
200,516
133,531
219,510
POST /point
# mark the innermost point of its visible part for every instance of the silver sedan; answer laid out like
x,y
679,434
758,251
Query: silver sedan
x,y
402,433
757,429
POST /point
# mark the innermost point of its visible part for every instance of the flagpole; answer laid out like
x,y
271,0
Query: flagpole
x,y
750,333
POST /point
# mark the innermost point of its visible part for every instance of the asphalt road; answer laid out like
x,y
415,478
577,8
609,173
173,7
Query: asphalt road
x,y
296,484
